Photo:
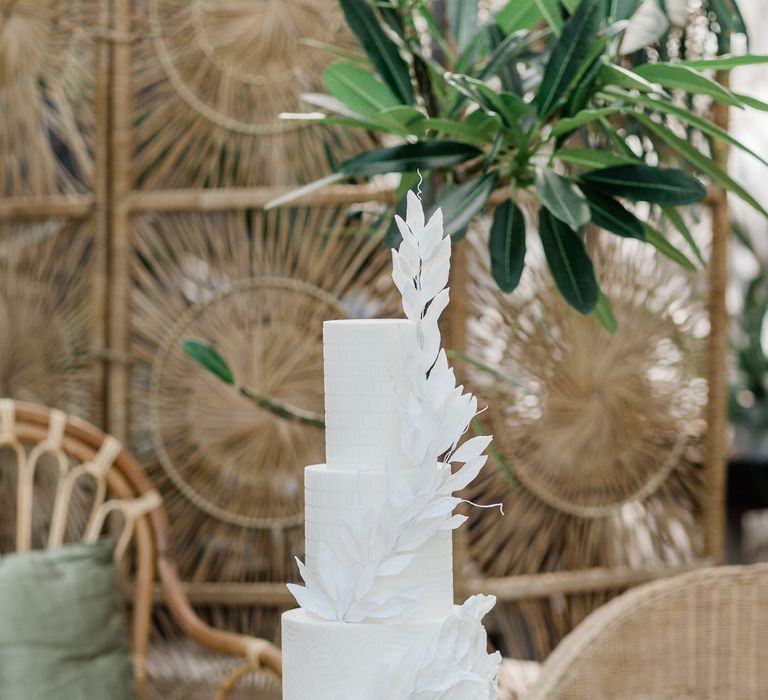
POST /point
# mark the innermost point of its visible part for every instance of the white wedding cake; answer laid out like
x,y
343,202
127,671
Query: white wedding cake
x,y
377,618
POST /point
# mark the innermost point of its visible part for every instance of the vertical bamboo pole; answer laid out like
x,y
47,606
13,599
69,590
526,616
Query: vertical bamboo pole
x,y
717,370
457,341
100,219
121,156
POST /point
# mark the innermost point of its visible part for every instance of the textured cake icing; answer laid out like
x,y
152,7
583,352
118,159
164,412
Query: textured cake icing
x,y
377,620
365,381
335,500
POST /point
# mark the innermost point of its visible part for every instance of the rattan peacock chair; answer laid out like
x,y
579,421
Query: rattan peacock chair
x,y
597,438
258,286
211,80
100,479
702,635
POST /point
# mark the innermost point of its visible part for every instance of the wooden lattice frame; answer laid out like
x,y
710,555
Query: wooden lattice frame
x,y
114,201
82,451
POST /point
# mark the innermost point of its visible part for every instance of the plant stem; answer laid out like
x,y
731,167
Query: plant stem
x,y
282,410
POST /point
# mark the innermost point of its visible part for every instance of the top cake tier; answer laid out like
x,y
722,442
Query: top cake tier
x,y
365,382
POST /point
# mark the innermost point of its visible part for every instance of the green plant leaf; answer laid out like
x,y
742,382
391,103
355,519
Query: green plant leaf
x,y
464,131
647,184
752,102
382,51
609,214
561,198
570,51
358,89
686,115
674,218
550,11
569,263
208,358
724,62
462,17
508,106
563,126
661,244
603,312
502,55
400,117
425,155
591,158
622,9
728,16
679,77
612,74
701,162
518,14
507,245
461,203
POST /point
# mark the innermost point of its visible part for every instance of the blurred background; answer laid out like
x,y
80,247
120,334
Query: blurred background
x,y
139,144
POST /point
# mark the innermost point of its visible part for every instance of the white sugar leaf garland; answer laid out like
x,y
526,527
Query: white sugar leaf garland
x,y
455,666
435,416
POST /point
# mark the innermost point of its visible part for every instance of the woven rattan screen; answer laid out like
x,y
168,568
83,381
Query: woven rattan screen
x,y
139,143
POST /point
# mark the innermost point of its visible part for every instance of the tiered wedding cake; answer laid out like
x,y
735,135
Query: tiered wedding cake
x,y
377,620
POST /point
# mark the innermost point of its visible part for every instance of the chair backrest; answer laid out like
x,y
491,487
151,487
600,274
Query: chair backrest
x,y
699,635
34,439
83,456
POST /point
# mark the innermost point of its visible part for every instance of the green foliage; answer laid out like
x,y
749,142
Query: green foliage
x,y
507,245
569,55
563,200
427,155
382,51
569,262
643,183
209,358
541,100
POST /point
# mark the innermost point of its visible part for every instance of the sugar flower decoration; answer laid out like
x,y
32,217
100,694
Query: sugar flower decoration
x,y
435,415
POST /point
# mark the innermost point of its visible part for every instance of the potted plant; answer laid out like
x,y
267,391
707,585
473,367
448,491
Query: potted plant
x,y
576,104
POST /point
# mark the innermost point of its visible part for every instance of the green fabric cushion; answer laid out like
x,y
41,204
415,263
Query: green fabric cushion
x,y
62,631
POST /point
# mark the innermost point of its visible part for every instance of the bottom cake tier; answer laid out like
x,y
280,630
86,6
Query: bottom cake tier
x,y
325,660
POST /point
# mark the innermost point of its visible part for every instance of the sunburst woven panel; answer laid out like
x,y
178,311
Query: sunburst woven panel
x,y
47,316
258,287
46,91
599,434
211,79
47,336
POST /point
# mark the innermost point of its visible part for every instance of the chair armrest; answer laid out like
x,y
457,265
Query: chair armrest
x,y
258,653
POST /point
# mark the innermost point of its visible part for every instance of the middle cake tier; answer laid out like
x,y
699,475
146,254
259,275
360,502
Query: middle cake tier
x,y
336,500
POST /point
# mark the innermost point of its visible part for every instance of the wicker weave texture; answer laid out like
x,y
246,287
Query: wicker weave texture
x,y
700,635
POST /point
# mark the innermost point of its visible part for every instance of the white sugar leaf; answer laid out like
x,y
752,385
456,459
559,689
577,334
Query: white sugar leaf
x,y
395,566
431,344
312,601
412,303
455,522
437,306
329,571
472,448
435,272
433,233
414,213
440,507
365,580
408,238
410,252
408,266
402,280
467,474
